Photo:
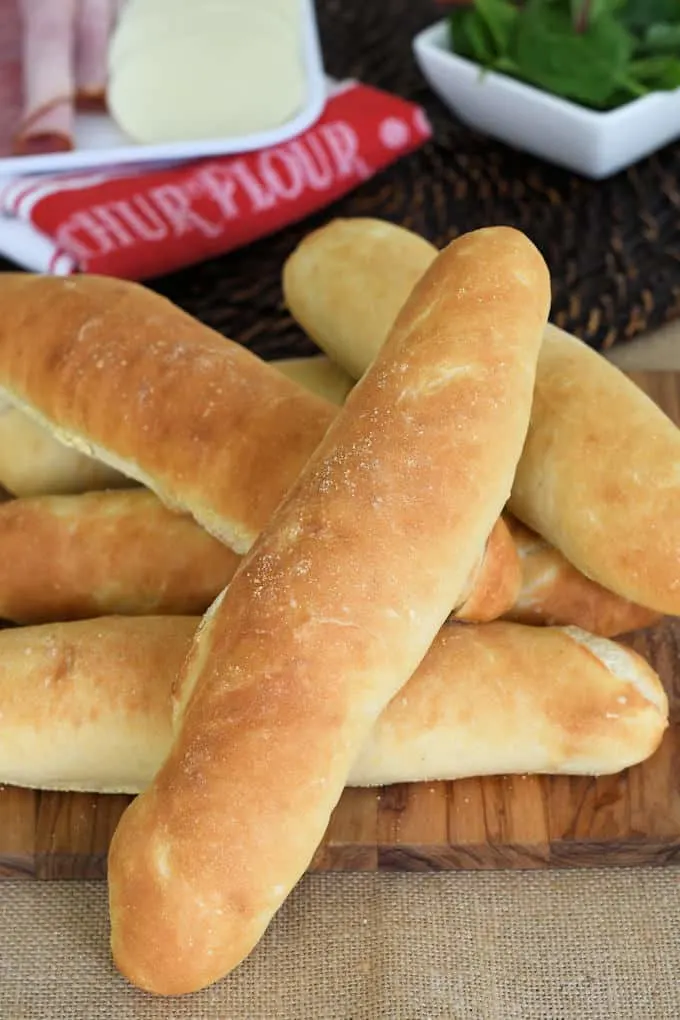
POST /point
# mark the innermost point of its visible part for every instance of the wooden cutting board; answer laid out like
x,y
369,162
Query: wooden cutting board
x,y
503,822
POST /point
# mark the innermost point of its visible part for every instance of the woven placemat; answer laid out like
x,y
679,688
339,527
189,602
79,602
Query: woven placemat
x,y
613,247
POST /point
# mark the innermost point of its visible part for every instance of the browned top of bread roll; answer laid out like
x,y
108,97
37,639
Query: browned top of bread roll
x,y
93,689
502,698
87,706
599,473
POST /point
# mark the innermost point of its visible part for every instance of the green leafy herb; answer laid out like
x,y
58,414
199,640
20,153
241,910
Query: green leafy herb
x,y
501,19
600,53
584,66
663,72
661,38
640,14
471,38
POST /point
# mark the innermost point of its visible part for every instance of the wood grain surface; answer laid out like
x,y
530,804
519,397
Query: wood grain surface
x,y
499,822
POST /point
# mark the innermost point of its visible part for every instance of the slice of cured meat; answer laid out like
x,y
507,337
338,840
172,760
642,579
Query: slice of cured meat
x,y
47,56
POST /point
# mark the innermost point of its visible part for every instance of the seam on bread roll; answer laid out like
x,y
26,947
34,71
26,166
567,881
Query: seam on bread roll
x,y
237,537
622,663
34,463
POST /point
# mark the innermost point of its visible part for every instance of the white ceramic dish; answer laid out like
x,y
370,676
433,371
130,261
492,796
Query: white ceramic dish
x,y
591,143
99,142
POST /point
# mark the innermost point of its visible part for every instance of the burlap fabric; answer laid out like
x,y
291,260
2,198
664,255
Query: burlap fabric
x,y
595,945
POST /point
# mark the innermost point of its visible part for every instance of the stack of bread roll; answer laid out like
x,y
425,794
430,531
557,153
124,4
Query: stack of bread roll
x,y
240,587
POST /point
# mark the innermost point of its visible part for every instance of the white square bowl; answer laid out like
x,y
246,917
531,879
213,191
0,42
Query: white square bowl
x,y
591,143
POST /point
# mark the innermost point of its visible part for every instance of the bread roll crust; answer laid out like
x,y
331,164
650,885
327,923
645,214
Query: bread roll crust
x,y
599,476
502,698
328,616
211,428
87,706
319,375
496,583
324,281
34,463
102,553
553,592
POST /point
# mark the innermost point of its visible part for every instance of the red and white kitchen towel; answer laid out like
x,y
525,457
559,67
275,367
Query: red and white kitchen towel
x,y
144,222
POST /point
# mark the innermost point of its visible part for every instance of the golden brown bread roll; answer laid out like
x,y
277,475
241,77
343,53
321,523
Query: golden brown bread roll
x,y
599,476
123,375
549,590
100,553
328,616
34,463
500,698
205,424
222,432
87,705
554,592
84,705
346,282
